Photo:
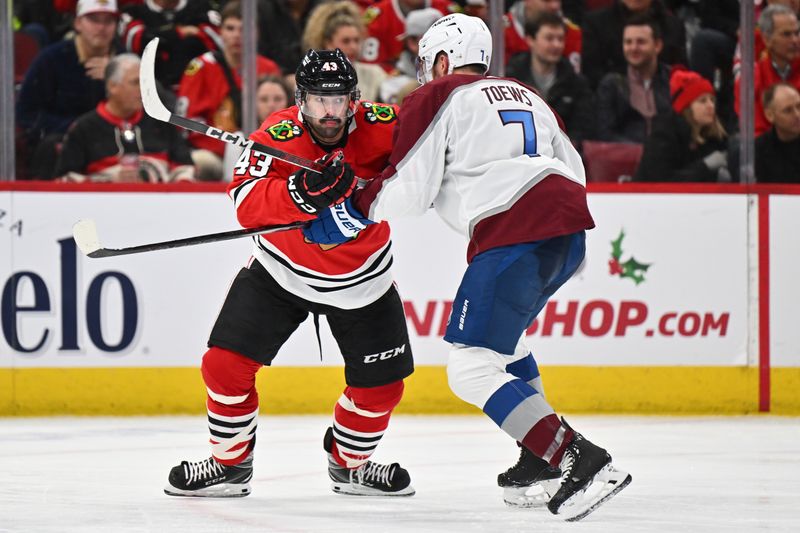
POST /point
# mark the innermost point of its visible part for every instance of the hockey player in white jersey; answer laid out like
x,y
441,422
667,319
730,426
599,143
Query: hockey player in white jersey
x,y
493,160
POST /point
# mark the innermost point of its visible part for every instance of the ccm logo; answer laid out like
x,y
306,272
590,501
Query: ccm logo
x,y
388,354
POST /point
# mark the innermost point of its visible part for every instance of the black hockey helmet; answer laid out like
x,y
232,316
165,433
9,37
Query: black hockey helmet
x,y
326,72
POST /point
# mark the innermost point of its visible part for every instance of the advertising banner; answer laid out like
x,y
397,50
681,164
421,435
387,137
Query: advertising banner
x,y
664,283
784,286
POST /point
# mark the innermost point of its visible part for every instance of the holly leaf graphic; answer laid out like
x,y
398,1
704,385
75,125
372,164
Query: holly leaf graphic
x,y
616,246
635,270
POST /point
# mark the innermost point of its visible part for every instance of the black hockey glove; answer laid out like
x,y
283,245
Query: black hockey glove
x,y
312,192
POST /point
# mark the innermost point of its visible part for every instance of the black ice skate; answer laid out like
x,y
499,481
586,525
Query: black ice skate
x,y
529,483
211,479
370,479
588,480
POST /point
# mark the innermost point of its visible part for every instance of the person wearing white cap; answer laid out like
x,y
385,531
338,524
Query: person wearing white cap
x,y
490,156
404,79
66,80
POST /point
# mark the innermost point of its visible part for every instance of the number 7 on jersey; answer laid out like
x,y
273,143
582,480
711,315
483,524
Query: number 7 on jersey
x,y
525,118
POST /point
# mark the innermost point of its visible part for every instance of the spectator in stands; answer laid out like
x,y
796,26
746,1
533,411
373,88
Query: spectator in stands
x,y
690,143
281,24
627,103
523,11
185,30
272,94
65,81
118,142
404,78
778,150
545,68
477,8
338,24
210,91
602,33
781,31
386,23
759,48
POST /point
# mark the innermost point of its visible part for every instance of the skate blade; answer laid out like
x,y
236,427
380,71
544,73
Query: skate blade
x,y
533,496
352,490
604,486
226,490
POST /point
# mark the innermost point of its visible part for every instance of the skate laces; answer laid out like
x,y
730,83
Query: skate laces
x,y
202,470
375,473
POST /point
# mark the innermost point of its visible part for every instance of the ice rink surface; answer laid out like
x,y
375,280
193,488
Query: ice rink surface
x,y
737,474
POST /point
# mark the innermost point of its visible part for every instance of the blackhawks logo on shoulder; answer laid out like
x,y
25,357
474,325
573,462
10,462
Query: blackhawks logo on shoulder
x,y
370,14
629,268
285,130
379,113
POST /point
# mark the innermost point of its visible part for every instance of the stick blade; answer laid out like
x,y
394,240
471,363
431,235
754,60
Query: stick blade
x,y
85,234
147,84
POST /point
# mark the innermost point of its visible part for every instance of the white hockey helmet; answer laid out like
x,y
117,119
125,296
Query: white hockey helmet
x,y
466,41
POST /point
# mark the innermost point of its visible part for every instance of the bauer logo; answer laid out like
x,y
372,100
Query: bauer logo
x,y
27,294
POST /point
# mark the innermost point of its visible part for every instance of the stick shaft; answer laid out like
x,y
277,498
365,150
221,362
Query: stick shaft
x,y
156,109
191,241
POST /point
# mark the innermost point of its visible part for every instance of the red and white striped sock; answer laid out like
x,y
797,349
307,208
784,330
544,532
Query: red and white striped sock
x,y
232,403
360,419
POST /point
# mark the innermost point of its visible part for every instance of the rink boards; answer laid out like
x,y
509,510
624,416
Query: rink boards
x,y
684,304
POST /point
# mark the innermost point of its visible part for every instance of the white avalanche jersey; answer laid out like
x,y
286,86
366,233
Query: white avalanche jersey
x,y
489,154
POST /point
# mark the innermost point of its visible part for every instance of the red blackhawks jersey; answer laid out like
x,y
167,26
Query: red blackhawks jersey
x,y
385,23
515,42
347,276
203,95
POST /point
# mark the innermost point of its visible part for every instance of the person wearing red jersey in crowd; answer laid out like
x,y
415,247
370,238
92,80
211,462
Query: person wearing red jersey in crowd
x,y
210,90
386,24
289,278
525,10
117,142
781,62
493,160
339,24
185,29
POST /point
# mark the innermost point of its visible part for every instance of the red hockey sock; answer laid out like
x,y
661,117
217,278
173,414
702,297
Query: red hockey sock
x,y
232,403
360,418
548,439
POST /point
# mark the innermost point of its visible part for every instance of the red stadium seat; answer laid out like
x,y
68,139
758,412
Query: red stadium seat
x,y
610,162
25,50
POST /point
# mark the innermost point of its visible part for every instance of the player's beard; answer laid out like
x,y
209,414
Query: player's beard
x,y
327,129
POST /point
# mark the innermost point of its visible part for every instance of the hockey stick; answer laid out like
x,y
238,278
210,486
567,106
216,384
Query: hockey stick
x,y
85,234
156,109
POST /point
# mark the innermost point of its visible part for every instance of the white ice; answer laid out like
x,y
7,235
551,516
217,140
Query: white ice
x,y
107,474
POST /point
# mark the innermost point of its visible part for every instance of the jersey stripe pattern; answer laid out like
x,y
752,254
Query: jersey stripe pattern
x,y
347,276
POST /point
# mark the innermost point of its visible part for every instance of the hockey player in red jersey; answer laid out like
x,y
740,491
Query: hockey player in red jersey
x,y
289,278
493,160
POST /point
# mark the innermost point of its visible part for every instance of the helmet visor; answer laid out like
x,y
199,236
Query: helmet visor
x,y
424,74
327,105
